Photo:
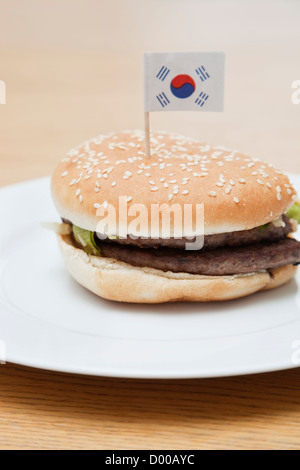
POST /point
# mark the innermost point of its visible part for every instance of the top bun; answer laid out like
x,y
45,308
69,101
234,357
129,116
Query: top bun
x,y
238,192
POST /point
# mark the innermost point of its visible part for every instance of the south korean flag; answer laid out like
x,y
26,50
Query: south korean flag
x,y
184,81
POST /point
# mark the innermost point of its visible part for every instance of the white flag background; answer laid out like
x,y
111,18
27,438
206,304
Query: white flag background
x,y
184,81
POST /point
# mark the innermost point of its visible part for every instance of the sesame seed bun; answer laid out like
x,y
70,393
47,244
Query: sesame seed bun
x,y
114,280
238,192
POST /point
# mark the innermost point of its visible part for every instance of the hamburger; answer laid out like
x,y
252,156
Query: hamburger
x,y
250,214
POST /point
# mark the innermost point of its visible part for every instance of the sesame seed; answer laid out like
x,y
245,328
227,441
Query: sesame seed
x,y
185,192
228,189
279,196
73,182
254,173
152,182
128,173
80,199
105,204
162,180
289,191
97,190
113,184
155,188
269,185
170,197
278,188
78,192
212,194
232,182
242,181
236,200
176,191
129,199
140,172
64,173
173,181
166,185
121,147
260,182
96,205
220,185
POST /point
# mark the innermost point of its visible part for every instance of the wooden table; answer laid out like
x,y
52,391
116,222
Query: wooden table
x,y
42,410
64,88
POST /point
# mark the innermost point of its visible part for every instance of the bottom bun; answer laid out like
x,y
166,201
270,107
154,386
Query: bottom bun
x,y
121,282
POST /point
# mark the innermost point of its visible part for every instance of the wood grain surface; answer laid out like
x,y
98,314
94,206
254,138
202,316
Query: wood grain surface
x,y
70,76
42,410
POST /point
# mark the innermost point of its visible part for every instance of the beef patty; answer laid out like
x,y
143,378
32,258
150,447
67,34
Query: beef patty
x,y
245,237
219,262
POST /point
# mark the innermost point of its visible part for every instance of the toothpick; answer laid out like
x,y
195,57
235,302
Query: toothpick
x,y
147,135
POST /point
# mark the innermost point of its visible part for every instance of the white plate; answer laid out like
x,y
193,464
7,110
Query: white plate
x,y
48,321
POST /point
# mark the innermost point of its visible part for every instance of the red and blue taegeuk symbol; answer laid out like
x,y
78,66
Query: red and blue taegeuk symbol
x,y
183,86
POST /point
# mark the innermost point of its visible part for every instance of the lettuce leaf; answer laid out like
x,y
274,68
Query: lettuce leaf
x,y
87,240
294,212
262,228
